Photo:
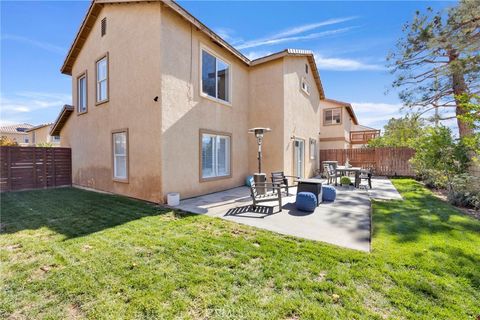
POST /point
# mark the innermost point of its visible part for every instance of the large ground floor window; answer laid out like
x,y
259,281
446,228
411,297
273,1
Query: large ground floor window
x,y
215,155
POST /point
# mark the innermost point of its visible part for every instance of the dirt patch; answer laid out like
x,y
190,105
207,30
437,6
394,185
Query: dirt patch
x,y
74,311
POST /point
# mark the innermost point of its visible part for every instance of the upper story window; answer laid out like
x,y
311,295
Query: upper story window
x,y
332,116
102,79
82,93
305,86
306,68
215,77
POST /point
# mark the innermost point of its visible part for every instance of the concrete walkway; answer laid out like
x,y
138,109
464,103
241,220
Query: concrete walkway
x,y
345,222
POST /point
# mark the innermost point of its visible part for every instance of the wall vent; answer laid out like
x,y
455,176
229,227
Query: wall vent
x,y
104,26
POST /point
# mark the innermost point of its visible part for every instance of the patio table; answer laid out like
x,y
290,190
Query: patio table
x,y
311,185
344,170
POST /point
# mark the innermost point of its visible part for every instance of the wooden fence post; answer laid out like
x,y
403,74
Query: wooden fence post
x,y
34,166
9,169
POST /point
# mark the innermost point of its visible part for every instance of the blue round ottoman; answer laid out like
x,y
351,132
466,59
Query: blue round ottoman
x,y
306,201
329,193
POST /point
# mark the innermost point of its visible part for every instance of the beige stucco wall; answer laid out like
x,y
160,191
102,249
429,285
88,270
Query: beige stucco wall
x,y
185,111
267,110
42,135
339,132
133,44
302,113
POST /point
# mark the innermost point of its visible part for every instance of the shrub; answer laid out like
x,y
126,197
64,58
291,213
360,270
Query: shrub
x,y
464,190
5,141
345,181
439,157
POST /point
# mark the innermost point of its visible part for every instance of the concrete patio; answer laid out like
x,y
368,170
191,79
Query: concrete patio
x,y
345,222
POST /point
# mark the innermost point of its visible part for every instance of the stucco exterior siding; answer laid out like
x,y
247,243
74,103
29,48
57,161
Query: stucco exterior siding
x,y
133,45
185,111
267,110
302,113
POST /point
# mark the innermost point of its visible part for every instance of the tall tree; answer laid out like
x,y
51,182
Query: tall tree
x,y
438,61
401,132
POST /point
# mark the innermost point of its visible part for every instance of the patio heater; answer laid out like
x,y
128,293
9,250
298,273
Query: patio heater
x,y
259,133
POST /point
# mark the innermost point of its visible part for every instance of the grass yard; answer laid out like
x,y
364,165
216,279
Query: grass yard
x,y
69,253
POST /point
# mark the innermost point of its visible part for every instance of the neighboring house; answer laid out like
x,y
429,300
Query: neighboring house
x,y
17,132
340,128
162,104
41,134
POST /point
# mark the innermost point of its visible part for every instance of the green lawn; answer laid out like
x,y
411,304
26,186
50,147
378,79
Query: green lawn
x,y
69,253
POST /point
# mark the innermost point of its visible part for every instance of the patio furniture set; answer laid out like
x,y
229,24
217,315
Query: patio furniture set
x,y
310,192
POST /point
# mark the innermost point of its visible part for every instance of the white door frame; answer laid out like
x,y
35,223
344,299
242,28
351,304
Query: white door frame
x,y
297,151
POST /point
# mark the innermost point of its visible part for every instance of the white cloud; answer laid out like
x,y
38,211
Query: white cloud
x,y
258,43
252,55
376,114
26,106
311,26
228,35
293,34
40,44
342,64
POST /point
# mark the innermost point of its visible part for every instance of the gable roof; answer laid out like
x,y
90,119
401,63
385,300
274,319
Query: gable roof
x,y
21,128
61,120
96,6
348,106
295,53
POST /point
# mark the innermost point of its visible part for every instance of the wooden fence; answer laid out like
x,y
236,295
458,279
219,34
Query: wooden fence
x,y
33,168
384,161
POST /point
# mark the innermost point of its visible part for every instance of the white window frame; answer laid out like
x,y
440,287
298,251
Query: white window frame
x,y
80,95
126,155
99,81
330,122
230,77
217,136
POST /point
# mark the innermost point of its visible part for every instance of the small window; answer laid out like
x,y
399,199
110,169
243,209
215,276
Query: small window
x,y
215,77
215,157
306,68
313,149
120,155
82,93
305,86
102,79
56,138
333,116
104,26
25,140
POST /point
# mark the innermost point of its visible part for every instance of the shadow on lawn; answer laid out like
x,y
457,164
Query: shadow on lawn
x,y
72,212
421,213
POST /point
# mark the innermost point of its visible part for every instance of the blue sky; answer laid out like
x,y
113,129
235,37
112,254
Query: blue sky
x,y
350,41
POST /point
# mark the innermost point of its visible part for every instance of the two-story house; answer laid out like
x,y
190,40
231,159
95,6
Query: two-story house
x,y
340,129
17,133
163,104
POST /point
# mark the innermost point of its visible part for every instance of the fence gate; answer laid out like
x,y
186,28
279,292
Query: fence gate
x,y
34,168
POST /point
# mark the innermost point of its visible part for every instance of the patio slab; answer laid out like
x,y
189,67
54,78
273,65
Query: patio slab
x,y
346,222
